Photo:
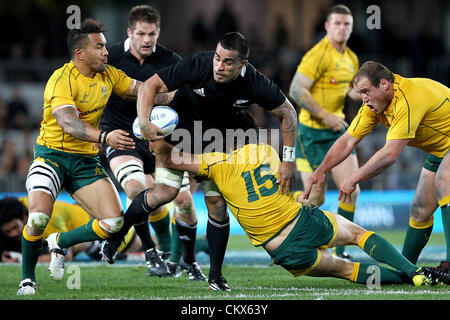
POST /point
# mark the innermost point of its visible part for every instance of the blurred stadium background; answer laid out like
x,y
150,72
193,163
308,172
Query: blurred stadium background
x,y
413,40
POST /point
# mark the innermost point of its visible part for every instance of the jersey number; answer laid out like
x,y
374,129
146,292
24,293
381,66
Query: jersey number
x,y
260,179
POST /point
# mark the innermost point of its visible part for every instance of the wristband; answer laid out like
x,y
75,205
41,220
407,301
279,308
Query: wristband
x,y
288,154
100,138
105,136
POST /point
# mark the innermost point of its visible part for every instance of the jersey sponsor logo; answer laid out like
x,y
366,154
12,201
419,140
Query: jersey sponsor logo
x,y
240,103
100,108
200,92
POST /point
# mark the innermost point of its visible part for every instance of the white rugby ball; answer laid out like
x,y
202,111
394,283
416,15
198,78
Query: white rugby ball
x,y
163,117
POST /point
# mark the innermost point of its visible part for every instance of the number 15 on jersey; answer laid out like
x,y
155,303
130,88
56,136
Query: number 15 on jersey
x,y
260,177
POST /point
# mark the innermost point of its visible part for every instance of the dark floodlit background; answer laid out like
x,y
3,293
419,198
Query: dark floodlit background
x,y
414,41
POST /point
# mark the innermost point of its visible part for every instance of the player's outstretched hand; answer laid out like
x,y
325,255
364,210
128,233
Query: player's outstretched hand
x,y
286,176
120,140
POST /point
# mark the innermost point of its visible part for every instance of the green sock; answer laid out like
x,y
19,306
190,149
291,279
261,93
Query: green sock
x,y
445,209
347,211
175,245
382,251
30,253
387,275
83,233
416,238
162,231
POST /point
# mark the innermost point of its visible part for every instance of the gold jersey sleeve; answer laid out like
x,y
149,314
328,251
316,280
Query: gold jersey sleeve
x,y
68,88
247,181
419,111
331,73
65,217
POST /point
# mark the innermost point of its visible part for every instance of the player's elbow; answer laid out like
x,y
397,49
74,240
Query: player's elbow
x,y
390,158
296,93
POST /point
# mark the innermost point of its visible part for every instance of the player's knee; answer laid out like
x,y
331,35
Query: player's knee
x,y
357,233
38,221
421,211
159,195
111,225
183,199
317,199
442,183
132,188
217,208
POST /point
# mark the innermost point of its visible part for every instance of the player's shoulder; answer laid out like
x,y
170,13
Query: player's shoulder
x,y
202,56
353,56
167,53
64,73
200,62
320,47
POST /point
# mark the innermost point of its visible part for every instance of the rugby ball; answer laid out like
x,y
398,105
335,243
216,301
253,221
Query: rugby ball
x,y
163,117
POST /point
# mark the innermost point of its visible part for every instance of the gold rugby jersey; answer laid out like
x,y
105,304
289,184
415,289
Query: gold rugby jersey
x,y
68,87
331,73
65,217
247,180
419,111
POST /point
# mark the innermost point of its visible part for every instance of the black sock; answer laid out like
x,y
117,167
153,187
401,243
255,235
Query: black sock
x,y
143,231
217,233
187,233
136,212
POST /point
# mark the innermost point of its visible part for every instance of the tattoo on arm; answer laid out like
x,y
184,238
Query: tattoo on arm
x,y
68,120
297,96
164,98
287,116
132,94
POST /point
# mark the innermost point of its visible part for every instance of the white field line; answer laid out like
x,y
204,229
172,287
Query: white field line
x,y
314,293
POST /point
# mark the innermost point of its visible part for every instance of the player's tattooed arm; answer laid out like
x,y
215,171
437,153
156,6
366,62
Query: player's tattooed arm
x,y
132,91
288,121
288,126
164,98
68,120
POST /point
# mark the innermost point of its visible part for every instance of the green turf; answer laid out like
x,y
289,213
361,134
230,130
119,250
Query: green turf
x,y
100,281
248,282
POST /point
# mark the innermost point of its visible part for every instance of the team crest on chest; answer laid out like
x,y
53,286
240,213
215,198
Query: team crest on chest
x,y
84,100
104,91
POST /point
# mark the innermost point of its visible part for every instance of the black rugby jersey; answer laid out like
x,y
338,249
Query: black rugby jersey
x,y
120,113
217,105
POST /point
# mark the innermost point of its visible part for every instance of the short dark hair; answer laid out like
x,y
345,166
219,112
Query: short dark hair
x,y
11,208
143,13
236,41
339,9
374,72
78,37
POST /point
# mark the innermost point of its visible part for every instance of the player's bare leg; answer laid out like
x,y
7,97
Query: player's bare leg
x,y
347,210
442,186
421,220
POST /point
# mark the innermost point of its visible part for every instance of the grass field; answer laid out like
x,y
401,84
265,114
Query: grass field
x,y
99,281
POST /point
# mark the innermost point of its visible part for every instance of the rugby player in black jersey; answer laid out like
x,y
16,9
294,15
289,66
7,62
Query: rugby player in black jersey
x,y
140,56
215,90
